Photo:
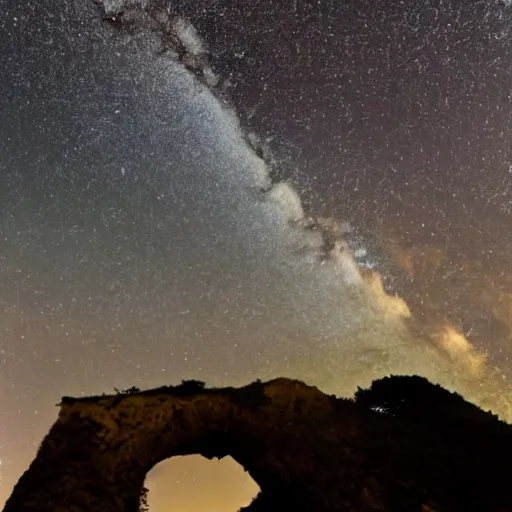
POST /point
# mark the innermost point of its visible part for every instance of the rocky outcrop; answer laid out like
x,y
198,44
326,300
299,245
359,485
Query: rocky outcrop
x,y
308,451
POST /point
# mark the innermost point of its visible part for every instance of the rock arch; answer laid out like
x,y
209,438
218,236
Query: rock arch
x,y
307,451
98,452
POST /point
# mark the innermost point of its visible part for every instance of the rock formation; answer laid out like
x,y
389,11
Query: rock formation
x,y
419,449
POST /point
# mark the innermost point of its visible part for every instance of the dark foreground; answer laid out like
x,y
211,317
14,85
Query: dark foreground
x,y
404,445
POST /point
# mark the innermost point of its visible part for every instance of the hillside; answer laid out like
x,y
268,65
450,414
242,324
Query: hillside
x,y
402,445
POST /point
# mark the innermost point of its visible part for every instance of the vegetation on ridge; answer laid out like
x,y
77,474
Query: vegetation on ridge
x,y
402,445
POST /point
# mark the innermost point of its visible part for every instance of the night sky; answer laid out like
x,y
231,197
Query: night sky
x,y
142,243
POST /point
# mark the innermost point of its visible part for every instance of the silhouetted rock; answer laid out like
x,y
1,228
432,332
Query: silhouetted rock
x,y
403,445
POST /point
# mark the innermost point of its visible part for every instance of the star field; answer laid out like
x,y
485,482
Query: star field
x,y
139,244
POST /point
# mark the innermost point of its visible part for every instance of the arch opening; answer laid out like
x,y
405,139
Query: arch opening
x,y
193,483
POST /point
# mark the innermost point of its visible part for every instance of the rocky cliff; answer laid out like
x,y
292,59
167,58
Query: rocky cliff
x,y
403,445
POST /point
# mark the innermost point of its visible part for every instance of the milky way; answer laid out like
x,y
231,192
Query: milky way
x,y
146,238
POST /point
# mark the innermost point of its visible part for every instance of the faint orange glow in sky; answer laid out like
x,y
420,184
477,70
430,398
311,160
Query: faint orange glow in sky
x,y
195,484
